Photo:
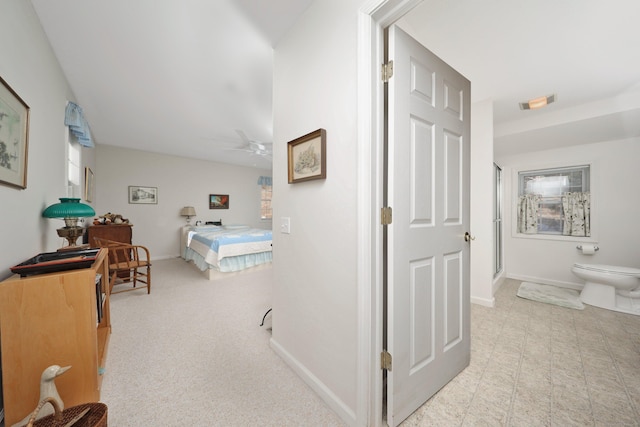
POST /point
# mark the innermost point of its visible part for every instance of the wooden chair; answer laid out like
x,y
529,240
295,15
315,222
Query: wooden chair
x,y
128,264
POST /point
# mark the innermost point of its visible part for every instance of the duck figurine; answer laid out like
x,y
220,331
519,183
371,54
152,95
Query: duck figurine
x,y
47,389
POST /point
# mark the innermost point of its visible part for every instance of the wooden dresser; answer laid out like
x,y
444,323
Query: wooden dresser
x,y
116,232
54,319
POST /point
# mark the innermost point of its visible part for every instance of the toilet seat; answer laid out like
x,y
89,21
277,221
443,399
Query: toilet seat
x,y
610,269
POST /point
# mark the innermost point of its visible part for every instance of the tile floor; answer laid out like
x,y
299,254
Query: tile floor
x,y
535,364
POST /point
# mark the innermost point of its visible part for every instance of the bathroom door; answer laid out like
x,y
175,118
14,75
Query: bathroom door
x,y
428,159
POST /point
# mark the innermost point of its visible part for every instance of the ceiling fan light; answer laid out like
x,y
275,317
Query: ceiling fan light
x,y
536,103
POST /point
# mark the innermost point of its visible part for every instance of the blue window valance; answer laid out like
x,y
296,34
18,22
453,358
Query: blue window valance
x,y
264,180
74,118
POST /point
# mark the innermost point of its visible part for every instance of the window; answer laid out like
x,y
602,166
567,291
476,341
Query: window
x,y
265,197
265,202
73,168
545,203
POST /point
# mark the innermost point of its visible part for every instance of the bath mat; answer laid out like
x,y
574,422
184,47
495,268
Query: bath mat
x,y
551,295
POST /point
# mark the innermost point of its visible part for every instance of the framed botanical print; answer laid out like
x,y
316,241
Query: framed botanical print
x,y
14,137
307,157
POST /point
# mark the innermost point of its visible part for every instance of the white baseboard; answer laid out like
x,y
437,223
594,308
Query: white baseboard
x,y
347,414
161,257
484,301
542,281
497,282
488,302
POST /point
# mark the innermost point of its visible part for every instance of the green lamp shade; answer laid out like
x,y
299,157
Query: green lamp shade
x,y
68,208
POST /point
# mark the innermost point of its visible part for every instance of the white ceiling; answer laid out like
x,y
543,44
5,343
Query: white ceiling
x,y
183,77
175,77
585,51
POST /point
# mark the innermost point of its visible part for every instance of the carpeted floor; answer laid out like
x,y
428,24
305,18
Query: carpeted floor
x,y
192,353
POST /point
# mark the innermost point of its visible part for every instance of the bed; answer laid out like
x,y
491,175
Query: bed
x,y
220,250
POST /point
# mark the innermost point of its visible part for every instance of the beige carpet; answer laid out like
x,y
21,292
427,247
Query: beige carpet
x,y
193,354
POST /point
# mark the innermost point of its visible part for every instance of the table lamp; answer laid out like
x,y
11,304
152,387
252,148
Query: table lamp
x,y
69,209
188,211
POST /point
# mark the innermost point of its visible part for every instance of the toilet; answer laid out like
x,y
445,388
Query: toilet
x,y
611,287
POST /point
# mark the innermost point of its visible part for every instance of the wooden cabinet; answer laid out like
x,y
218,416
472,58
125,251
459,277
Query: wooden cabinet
x,y
52,319
116,232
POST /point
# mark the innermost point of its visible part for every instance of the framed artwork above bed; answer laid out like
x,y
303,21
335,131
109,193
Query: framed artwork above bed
x,y
218,201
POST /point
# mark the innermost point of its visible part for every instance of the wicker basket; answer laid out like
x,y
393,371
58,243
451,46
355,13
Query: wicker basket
x,y
95,416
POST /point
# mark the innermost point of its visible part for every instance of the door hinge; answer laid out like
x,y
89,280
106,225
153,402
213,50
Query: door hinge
x,y
386,215
387,71
385,360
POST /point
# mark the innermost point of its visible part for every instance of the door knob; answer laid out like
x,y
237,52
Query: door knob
x,y
468,237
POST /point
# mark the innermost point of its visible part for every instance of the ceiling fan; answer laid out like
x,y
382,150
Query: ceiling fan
x,y
253,146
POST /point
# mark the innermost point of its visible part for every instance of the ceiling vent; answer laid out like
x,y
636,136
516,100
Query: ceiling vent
x,y
536,103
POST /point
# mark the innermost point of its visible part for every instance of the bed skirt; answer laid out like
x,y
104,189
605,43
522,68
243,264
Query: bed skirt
x,y
229,264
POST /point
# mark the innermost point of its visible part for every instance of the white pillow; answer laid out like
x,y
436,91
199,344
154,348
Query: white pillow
x,y
235,227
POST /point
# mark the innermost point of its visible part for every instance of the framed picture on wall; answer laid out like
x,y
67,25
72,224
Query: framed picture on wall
x,y
14,136
218,201
307,157
143,195
89,185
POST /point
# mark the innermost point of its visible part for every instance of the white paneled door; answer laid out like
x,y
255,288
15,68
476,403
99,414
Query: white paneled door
x,y
427,253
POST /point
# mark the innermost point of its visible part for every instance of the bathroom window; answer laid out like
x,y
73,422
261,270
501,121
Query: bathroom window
x,y
554,201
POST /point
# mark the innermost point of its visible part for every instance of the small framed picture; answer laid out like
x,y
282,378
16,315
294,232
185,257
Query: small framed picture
x,y
14,136
308,157
218,201
143,195
89,185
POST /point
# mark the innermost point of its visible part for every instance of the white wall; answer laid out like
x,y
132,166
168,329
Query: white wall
x,y
315,298
315,271
29,66
481,260
615,206
180,182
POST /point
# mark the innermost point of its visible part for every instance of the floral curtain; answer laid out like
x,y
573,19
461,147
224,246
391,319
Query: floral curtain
x,y
577,214
528,213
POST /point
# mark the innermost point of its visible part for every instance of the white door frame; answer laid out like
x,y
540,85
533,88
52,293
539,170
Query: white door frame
x,y
373,17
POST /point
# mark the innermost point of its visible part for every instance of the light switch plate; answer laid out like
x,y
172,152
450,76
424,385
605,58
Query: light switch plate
x,y
285,225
